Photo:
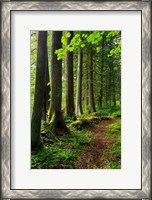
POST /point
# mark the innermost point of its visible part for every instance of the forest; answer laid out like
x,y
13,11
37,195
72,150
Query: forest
x,y
75,99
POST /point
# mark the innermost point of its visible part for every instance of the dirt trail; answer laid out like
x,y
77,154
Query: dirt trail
x,y
92,154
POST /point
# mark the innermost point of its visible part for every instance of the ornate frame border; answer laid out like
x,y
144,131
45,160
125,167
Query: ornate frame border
x,y
145,8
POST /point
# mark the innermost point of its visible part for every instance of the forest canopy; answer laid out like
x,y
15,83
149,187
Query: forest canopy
x,y
75,84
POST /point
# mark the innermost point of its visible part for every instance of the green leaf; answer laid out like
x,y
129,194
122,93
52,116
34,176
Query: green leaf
x,y
97,49
82,45
67,35
60,53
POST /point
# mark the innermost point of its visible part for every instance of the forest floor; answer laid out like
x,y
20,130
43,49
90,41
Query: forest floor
x,y
97,155
94,142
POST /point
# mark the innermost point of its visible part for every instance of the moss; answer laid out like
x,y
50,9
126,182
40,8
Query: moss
x,y
116,127
63,152
84,122
77,124
58,126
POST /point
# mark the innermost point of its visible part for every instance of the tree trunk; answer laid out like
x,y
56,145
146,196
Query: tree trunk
x,y
79,84
46,90
100,99
86,95
90,77
39,90
113,83
57,123
110,84
69,109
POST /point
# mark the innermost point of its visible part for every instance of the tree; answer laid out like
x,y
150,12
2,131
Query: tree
x,y
101,62
90,83
85,83
69,109
46,98
57,124
79,83
39,89
100,98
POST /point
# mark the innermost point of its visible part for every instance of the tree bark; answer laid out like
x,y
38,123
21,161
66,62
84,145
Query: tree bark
x,y
79,84
110,84
46,98
86,95
90,77
100,99
39,90
113,82
69,109
57,124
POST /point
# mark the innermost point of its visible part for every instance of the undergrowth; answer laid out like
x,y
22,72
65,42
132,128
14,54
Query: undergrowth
x,y
113,111
62,152
113,153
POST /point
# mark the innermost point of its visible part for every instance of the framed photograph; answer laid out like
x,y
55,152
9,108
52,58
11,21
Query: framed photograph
x,y
76,91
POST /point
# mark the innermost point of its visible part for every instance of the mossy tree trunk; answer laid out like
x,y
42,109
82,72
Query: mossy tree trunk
x,y
57,124
39,89
69,109
79,84
90,77
113,82
46,103
100,98
86,89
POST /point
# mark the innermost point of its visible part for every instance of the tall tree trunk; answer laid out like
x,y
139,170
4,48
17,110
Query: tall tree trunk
x,y
57,123
107,92
46,90
39,89
100,96
113,83
86,95
90,77
110,84
79,84
100,99
69,109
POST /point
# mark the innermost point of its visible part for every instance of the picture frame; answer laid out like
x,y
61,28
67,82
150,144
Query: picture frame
x,y
7,7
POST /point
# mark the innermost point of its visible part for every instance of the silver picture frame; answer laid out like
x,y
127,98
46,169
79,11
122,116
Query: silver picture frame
x,y
9,6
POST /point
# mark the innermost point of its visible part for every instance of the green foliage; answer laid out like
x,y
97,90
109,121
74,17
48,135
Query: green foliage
x,y
80,39
63,151
79,124
115,51
112,34
116,127
60,152
113,153
117,149
70,120
85,121
60,53
76,42
95,37
113,165
98,49
80,137
64,37
113,111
